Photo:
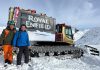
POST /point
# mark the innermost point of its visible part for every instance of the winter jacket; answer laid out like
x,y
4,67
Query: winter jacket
x,y
7,38
21,39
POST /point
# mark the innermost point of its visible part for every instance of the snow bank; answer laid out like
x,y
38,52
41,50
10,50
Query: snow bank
x,y
79,34
91,37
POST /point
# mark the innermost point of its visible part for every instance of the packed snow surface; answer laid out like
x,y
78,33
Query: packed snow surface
x,y
87,62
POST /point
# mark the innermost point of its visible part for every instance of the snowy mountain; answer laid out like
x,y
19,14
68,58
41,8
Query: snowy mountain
x,y
90,37
89,40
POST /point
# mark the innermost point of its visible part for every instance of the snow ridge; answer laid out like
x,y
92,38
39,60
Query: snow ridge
x,y
91,37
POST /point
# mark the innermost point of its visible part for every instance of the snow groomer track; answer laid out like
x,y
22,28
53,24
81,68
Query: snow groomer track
x,y
52,50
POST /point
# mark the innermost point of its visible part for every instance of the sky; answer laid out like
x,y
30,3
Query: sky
x,y
77,13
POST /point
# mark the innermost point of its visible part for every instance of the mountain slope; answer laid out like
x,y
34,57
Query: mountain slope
x,y
91,37
79,34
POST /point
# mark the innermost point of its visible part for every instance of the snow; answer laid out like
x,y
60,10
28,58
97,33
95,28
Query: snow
x,y
88,62
91,37
79,34
53,63
96,46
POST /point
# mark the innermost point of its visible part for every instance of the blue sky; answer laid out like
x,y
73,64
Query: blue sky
x,y
77,13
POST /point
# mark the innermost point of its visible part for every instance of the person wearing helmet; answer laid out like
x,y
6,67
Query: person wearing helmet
x,y
6,38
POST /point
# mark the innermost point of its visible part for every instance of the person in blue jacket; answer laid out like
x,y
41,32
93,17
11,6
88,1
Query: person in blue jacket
x,y
21,40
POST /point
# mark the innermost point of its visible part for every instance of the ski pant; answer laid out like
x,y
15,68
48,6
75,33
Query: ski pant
x,y
8,56
23,50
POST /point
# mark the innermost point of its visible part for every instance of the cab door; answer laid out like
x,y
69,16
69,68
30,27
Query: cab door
x,y
67,35
59,34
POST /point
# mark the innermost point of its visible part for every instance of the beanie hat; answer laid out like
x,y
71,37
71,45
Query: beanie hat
x,y
23,25
11,22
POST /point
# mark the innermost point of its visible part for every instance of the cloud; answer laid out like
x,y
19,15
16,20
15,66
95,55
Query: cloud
x,y
79,14
86,15
86,11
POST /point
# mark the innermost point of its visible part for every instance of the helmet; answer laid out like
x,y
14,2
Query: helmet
x,y
11,22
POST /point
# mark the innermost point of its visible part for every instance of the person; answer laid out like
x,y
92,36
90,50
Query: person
x,y
6,38
21,40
